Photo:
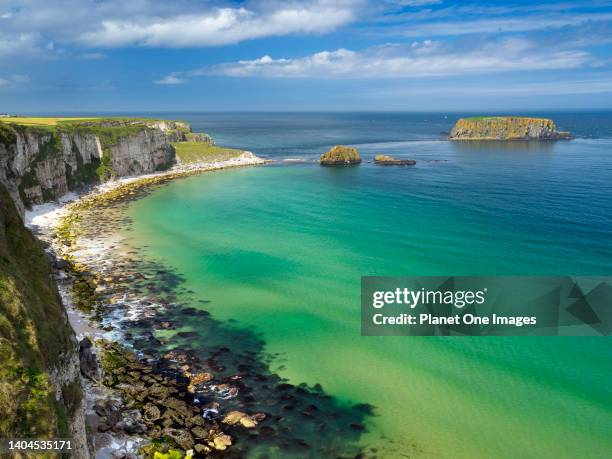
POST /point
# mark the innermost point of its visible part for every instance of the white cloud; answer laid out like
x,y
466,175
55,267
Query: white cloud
x,y
219,26
39,28
14,80
420,59
20,78
414,3
590,85
19,44
170,80
92,56
525,23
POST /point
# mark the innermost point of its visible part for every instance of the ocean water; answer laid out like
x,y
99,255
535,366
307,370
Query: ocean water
x,y
280,249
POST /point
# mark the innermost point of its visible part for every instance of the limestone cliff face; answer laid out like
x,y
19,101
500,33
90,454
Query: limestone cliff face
x,y
506,128
146,151
39,165
40,385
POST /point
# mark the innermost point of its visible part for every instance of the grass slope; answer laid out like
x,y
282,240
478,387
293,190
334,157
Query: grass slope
x,y
191,152
34,334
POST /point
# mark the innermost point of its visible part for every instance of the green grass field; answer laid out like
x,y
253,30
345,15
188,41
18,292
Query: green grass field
x,y
36,121
191,152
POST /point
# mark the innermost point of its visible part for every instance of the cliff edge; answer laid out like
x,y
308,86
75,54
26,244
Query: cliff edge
x,y
507,128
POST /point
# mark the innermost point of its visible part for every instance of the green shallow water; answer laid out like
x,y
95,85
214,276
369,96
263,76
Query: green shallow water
x,y
282,249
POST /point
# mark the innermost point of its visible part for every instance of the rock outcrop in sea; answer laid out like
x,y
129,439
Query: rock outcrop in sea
x,y
340,155
386,160
507,128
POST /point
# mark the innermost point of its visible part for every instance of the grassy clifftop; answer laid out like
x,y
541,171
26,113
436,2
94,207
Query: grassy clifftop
x,y
34,335
108,129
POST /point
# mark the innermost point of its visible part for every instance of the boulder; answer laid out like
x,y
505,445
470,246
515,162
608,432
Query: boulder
x,y
196,379
238,417
87,360
131,423
385,160
199,432
159,392
180,407
340,156
201,449
151,413
181,437
221,441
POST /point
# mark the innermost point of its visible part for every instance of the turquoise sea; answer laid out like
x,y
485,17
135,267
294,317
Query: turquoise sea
x,y
277,252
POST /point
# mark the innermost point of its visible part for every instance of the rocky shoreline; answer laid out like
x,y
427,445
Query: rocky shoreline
x,y
126,392
148,392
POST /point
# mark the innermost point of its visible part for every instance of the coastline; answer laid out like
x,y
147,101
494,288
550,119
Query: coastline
x,y
81,256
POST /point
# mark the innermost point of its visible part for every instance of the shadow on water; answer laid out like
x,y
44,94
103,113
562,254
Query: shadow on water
x,y
301,420
513,146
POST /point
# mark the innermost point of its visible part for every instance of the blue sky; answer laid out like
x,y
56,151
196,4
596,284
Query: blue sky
x,y
412,55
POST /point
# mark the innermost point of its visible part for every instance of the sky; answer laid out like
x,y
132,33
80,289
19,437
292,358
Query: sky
x,y
68,56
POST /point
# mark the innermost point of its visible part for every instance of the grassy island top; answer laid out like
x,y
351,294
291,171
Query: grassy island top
x,y
500,118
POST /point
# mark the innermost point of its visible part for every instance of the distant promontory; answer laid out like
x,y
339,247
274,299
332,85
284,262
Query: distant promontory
x,y
507,128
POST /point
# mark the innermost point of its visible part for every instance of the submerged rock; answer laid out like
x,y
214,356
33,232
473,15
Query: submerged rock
x,y
386,160
198,379
238,417
340,156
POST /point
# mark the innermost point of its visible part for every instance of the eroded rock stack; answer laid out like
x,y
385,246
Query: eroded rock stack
x,y
340,155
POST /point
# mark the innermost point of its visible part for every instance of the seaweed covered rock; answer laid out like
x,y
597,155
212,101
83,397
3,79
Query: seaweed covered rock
x,y
507,128
340,155
385,160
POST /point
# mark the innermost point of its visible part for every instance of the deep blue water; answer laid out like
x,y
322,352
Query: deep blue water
x,y
555,197
287,134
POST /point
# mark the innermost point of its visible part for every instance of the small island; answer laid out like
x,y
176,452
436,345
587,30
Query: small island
x,y
340,155
507,128
386,160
